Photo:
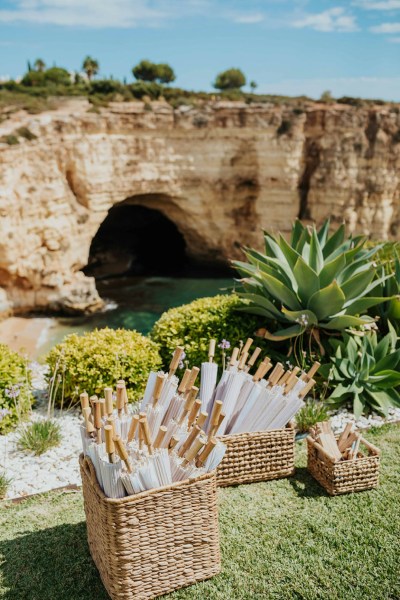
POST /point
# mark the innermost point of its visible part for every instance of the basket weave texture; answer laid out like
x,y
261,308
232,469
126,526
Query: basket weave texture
x,y
154,542
345,476
257,456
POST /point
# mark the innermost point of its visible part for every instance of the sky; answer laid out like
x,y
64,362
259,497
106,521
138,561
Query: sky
x,y
288,47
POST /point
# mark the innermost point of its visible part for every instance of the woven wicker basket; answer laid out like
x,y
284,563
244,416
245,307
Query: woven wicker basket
x,y
156,541
345,476
257,456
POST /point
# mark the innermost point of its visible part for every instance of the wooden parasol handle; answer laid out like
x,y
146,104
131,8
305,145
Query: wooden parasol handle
x,y
235,353
206,452
122,452
108,397
211,351
247,346
254,357
110,447
160,436
84,398
175,360
133,427
183,384
307,388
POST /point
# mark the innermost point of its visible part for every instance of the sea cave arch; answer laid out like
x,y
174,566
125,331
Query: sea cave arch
x,y
137,238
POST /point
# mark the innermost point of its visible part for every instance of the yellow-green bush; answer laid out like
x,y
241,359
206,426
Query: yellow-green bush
x,y
15,394
98,359
193,325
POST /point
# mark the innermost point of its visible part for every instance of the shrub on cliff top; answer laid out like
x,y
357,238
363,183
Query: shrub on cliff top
x,y
231,79
15,395
193,325
97,360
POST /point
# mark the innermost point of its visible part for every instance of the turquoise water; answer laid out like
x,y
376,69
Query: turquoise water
x,y
136,303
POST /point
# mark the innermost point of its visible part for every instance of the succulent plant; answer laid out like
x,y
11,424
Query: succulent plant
x,y
364,371
389,289
314,282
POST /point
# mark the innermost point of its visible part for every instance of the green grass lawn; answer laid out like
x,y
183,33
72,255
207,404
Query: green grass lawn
x,y
280,539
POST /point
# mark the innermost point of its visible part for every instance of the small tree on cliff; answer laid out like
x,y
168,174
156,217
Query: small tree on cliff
x,y
40,65
149,71
253,86
165,73
231,79
326,97
90,66
145,71
58,76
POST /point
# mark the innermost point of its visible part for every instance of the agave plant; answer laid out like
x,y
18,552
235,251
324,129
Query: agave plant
x,y
365,372
390,289
316,281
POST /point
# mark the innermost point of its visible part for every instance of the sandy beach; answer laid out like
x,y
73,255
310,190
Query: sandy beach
x,y
26,335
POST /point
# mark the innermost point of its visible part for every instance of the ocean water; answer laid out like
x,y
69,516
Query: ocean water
x,y
135,303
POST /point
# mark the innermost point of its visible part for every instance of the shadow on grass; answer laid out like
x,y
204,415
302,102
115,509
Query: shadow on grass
x,y
305,486
50,564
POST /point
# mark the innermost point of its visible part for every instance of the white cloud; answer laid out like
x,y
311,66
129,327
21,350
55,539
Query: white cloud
x,y
101,13
117,13
386,28
334,19
249,19
378,4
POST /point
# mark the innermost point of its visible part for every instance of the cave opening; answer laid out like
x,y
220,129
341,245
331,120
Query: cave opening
x,y
135,240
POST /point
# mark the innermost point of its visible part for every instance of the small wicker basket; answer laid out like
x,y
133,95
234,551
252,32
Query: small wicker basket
x,y
156,541
345,476
257,456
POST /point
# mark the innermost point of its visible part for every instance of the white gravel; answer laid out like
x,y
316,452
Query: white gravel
x,y
59,466
340,418
55,468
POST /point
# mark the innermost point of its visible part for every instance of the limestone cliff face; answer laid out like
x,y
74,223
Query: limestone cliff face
x,y
221,173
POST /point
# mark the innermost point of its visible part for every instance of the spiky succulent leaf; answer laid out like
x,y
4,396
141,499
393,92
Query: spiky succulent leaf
x,y
327,302
330,275
364,371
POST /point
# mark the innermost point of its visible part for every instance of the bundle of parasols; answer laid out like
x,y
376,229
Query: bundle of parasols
x,y
346,447
175,434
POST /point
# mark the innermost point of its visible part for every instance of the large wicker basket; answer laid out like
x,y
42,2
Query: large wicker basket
x,y
257,456
156,541
345,476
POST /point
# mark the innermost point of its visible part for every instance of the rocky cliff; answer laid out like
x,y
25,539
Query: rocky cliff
x,y
221,173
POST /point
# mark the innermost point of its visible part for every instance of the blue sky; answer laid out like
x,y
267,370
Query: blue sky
x,y
287,46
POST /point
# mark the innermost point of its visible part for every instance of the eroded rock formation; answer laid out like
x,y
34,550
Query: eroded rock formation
x,y
221,173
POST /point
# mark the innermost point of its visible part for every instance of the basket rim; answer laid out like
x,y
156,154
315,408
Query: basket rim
x,y
87,466
289,427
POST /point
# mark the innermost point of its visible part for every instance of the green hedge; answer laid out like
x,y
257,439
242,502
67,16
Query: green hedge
x,y
98,359
194,324
15,394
